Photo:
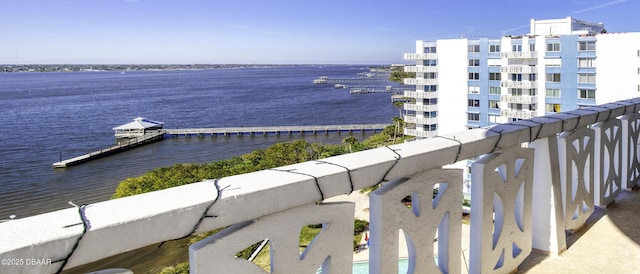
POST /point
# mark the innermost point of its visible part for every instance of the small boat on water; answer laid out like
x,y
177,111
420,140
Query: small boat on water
x,y
340,86
321,80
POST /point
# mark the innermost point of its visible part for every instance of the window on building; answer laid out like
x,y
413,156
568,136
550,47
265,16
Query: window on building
x,y
494,48
474,48
533,92
429,49
553,92
494,104
586,63
554,62
587,93
552,107
553,77
495,90
473,103
474,62
474,90
532,77
516,47
494,76
532,47
431,75
433,127
432,101
473,116
587,45
494,119
474,76
585,78
430,62
431,114
431,88
553,46
516,77
516,91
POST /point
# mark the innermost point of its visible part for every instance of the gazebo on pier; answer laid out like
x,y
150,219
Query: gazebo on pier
x,y
138,128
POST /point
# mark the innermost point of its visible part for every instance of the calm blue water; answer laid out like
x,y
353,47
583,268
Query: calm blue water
x,y
45,115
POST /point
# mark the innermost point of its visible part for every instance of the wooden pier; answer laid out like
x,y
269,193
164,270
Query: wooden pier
x,y
229,131
131,143
278,130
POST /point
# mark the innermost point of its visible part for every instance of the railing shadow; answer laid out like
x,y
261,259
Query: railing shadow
x,y
622,220
148,259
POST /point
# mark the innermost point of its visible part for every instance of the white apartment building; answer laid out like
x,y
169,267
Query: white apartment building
x,y
561,65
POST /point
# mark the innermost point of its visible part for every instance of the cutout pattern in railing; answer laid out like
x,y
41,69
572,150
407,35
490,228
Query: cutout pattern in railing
x,y
331,249
607,184
631,159
429,218
501,210
576,153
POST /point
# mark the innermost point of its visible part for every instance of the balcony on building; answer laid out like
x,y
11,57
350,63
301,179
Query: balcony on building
x,y
420,56
420,81
421,69
421,95
518,114
518,69
549,194
519,99
420,133
423,108
519,54
518,84
412,119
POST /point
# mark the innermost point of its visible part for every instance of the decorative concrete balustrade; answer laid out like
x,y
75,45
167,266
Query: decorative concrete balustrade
x,y
535,179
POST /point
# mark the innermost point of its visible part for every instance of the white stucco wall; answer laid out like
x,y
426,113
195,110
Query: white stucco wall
x,y
617,75
452,89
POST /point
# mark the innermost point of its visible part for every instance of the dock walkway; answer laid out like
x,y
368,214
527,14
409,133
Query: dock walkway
x,y
277,130
229,131
111,150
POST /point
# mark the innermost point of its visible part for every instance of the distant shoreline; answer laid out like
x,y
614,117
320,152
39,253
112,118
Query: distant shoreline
x,y
145,67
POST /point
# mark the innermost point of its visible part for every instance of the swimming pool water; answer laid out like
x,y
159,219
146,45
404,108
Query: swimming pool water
x,y
363,267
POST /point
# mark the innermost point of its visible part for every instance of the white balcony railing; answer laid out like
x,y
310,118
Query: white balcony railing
x,y
420,69
575,160
421,95
424,108
519,99
519,114
422,121
518,69
420,81
420,56
519,54
518,84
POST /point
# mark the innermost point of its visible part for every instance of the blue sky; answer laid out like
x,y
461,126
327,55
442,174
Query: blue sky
x,y
269,31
